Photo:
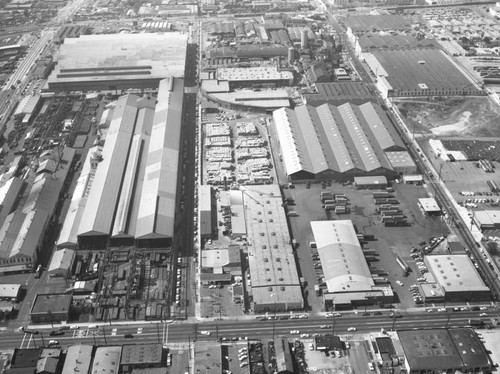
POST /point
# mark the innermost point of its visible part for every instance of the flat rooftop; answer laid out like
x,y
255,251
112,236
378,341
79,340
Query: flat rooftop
x,y
455,273
414,70
120,57
53,302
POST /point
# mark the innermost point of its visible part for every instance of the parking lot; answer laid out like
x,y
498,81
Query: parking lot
x,y
389,242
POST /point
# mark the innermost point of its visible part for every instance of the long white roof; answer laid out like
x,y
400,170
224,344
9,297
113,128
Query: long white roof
x,y
103,197
69,231
344,264
131,190
156,213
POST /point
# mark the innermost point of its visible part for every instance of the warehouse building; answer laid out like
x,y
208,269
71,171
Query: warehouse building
x,y
141,356
268,76
68,237
284,362
275,280
23,231
9,197
100,209
249,100
443,351
155,219
78,359
118,61
10,292
132,199
418,72
336,142
208,211
457,277
106,360
487,219
359,24
50,308
222,261
61,262
429,206
402,163
347,276
338,93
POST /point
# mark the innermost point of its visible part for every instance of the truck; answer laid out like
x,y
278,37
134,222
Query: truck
x,y
38,271
317,290
476,322
292,213
402,263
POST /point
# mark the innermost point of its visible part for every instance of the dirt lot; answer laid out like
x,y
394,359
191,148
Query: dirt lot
x,y
459,116
391,241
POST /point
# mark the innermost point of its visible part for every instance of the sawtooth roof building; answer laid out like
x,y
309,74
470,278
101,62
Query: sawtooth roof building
x,y
336,142
118,61
347,275
133,193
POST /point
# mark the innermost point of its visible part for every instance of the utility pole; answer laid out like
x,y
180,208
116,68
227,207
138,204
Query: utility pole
x,y
43,341
104,334
274,323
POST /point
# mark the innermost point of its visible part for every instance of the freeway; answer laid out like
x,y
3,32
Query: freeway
x,y
180,332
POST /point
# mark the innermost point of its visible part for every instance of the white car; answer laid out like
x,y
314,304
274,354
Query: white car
x,y
351,329
399,283
304,336
205,332
483,314
295,332
74,327
442,310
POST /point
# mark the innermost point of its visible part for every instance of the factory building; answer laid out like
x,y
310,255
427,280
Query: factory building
x,y
347,276
457,277
132,199
118,61
434,351
336,142
266,76
273,270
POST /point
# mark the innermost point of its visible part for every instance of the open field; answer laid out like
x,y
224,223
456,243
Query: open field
x,y
454,116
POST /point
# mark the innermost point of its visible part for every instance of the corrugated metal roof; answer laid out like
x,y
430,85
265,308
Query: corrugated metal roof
x,y
157,208
61,259
382,131
103,197
130,193
344,265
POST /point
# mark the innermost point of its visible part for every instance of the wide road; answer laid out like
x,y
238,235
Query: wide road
x,y
178,332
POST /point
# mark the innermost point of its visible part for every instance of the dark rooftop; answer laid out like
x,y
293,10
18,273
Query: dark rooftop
x,y
141,354
51,302
23,358
432,350
469,348
339,93
385,345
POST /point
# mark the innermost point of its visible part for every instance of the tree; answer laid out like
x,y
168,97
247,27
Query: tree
x,y
492,248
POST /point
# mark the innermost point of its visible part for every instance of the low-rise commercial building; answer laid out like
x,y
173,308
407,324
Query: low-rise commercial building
x,y
106,360
429,206
141,356
457,277
50,308
78,359
443,351
487,219
61,262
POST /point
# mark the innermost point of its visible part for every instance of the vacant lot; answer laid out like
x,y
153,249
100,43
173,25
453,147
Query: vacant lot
x,y
457,116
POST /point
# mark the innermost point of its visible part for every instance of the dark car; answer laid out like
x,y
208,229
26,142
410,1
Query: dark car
x,y
378,313
57,332
62,328
128,336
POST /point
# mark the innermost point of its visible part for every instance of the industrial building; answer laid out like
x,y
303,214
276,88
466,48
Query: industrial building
x,y
273,270
50,308
347,275
338,93
208,211
457,277
336,142
370,183
118,61
360,24
222,260
418,72
60,264
268,76
141,356
10,292
429,206
133,199
402,163
284,361
266,100
487,219
9,196
78,359
23,231
106,360
443,351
